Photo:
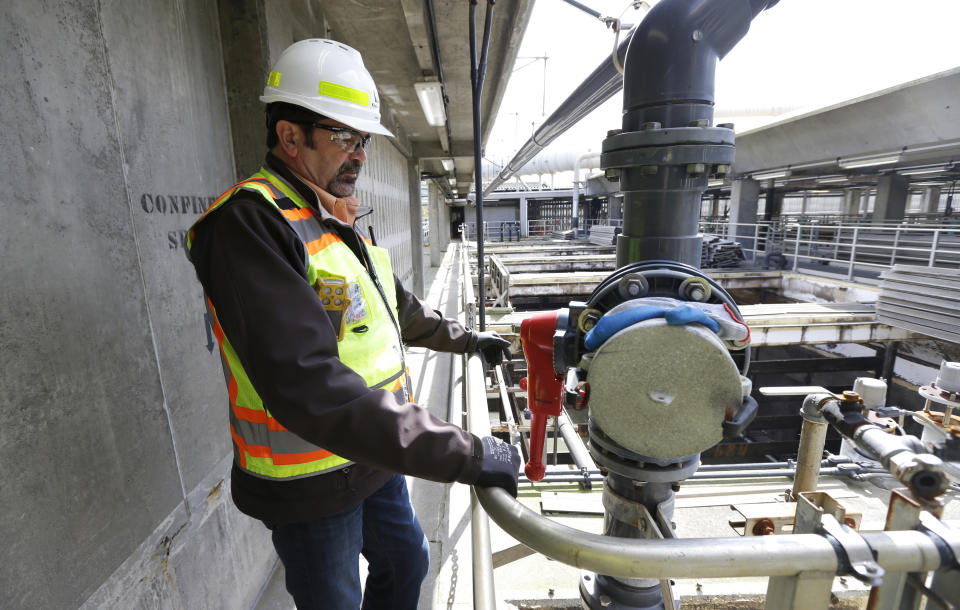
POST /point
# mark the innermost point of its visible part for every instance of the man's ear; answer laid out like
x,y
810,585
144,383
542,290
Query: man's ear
x,y
289,137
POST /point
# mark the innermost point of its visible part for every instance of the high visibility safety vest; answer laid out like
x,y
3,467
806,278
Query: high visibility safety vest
x,y
362,309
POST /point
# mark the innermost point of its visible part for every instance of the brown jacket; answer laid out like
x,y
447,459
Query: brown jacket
x,y
250,263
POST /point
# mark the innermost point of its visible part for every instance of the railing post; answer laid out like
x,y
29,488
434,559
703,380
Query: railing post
x,y
796,250
756,242
853,252
933,248
893,251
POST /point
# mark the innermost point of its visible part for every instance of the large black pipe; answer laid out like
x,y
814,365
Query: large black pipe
x,y
668,147
671,63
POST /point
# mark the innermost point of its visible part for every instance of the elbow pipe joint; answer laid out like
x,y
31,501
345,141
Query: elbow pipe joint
x,y
671,62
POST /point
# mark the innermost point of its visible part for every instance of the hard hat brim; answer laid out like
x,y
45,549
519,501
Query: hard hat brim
x,y
364,125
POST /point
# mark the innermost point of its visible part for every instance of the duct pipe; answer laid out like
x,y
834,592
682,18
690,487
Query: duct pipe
x,y
667,148
597,88
593,158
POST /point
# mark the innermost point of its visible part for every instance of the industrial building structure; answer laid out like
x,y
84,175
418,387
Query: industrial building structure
x,y
836,231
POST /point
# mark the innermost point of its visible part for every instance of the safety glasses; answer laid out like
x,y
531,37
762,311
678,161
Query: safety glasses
x,y
349,140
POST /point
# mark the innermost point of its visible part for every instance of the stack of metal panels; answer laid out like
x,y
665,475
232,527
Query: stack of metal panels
x,y
718,253
922,299
602,235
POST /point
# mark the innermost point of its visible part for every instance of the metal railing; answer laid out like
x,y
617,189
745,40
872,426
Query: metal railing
x,y
499,282
512,230
843,248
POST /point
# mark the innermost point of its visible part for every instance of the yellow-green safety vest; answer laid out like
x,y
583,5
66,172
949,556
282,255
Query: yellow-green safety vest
x,y
362,309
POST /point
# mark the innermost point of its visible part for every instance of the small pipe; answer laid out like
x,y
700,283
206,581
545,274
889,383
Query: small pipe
x,y
813,438
733,474
478,423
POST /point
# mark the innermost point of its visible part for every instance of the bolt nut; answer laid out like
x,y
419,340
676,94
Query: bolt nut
x,y
588,320
851,396
697,35
614,132
722,170
700,123
649,170
850,522
726,125
697,294
612,174
764,527
696,168
649,125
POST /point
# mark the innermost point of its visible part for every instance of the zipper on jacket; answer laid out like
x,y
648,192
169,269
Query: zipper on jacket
x,y
364,258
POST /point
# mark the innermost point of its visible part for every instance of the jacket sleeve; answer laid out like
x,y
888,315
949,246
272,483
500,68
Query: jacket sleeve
x,y
422,326
250,263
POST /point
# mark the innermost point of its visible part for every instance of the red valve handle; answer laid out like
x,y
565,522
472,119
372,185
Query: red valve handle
x,y
544,386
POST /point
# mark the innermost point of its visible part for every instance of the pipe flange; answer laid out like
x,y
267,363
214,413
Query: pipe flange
x,y
668,137
679,154
608,454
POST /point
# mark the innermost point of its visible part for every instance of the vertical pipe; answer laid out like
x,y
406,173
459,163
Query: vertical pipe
x,y
813,436
477,73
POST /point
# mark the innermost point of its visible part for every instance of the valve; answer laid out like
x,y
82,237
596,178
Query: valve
x,y
543,384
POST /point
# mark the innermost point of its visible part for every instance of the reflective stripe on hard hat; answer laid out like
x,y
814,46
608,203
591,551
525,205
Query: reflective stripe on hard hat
x,y
329,78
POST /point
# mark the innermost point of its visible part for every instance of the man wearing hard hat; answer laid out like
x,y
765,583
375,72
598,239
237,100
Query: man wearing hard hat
x,y
312,324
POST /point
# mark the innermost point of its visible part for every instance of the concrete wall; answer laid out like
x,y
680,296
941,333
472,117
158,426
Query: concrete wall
x,y
117,134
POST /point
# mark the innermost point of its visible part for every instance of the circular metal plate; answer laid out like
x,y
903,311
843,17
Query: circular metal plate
x,y
663,391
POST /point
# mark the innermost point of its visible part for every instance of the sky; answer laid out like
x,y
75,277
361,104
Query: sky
x,y
800,55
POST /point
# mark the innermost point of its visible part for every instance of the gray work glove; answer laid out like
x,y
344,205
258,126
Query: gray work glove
x,y
493,348
500,466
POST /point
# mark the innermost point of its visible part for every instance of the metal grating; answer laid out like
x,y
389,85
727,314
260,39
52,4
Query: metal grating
x,y
922,299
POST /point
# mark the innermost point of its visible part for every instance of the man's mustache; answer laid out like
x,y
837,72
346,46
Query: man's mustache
x,y
350,167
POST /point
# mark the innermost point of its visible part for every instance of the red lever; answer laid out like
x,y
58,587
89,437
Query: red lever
x,y
544,386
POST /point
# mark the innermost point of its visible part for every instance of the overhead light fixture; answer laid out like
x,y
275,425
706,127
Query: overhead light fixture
x,y
452,180
930,183
780,183
921,171
431,100
447,164
831,179
818,192
858,162
777,173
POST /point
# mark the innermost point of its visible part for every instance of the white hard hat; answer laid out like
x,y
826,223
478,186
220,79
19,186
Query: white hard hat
x,y
327,77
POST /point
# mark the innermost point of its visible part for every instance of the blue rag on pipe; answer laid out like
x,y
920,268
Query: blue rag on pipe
x,y
610,325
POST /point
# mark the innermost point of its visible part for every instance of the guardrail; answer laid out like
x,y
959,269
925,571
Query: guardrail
x,y
513,230
499,282
847,248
